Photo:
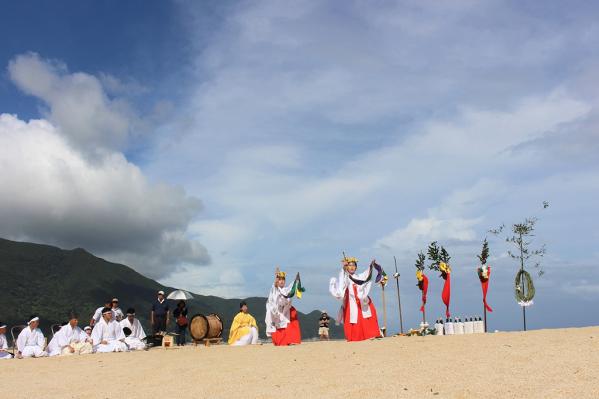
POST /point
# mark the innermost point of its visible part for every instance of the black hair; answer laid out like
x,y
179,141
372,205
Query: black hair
x,y
181,302
131,310
242,303
72,315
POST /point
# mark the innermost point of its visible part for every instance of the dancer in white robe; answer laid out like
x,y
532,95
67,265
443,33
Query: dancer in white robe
x,y
31,341
4,353
70,339
135,340
107,335
282,325
357,311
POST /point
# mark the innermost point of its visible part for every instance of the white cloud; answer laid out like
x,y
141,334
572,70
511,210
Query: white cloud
x,y
77,103
53,194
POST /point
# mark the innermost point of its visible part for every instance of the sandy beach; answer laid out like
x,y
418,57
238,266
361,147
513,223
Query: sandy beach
x,y
557,363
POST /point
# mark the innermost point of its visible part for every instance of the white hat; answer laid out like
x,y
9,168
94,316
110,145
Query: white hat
x,y
87,328
160,292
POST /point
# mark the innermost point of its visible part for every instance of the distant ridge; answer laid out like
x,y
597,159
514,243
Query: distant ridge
x,y
49,281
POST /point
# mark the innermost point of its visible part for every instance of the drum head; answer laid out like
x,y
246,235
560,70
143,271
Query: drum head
x,y
216,325
198,327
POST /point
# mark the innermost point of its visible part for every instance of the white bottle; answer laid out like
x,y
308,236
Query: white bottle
x,y
468,326
481,324
459,326
439,327
449,327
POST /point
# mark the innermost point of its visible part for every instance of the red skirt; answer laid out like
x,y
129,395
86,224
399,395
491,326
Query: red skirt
x,y
364,328
289,335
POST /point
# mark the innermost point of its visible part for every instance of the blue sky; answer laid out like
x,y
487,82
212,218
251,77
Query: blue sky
x,y
206,143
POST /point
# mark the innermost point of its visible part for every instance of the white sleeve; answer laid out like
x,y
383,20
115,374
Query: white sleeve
x,y
141,334
40,339
97,334
22,340
337,287
97,315
362,276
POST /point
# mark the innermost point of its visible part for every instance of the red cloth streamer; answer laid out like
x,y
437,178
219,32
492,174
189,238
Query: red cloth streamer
x,y
446,294
424,291
485,287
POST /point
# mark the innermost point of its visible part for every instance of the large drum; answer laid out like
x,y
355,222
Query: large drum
x,y
203,327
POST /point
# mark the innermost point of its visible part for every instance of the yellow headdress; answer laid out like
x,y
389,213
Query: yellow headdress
x,y
350,260
280,275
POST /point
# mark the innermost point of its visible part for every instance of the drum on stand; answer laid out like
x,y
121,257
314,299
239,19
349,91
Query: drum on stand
x,y
205,327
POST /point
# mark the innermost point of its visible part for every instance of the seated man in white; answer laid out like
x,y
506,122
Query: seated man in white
x,y
87,335
70,339
135,339
244,330
98,313
107,335
4,353
31,341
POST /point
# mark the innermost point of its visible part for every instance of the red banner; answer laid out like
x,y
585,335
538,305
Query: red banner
x,y
424,291
485,287
446,294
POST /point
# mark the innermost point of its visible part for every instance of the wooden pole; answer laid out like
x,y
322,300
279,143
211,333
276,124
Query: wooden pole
x,y
398,296
485,312
384,329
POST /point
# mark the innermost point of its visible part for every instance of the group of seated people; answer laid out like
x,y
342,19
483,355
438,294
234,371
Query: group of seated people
x,y
110,333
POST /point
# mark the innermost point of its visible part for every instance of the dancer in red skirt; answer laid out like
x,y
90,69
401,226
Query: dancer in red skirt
x,y
282,324
357,311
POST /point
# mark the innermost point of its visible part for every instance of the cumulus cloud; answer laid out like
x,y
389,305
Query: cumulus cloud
x,y
76,103
55,192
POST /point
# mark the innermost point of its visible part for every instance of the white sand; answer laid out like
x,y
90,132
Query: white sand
x,y
560,363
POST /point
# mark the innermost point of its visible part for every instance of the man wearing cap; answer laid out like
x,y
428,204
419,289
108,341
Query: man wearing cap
x,y
98,313
107,335
31,341
117,313
135,338
160,314
4,353
70,339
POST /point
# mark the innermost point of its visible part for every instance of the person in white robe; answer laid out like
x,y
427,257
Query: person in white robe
x,y
282,325
135,340
117,313
87,335
4,353
70,339
278,305
357,312
107,335
98,313
31,341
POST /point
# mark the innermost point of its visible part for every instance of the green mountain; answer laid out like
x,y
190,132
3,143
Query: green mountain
x,y
49,281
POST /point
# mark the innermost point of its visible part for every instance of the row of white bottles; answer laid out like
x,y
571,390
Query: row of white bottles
x,y
456,326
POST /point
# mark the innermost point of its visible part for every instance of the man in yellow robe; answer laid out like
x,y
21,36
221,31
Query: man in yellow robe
x,y
244,330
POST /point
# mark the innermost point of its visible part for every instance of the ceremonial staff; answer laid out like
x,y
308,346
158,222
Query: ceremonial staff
x,y
384,329
396,276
